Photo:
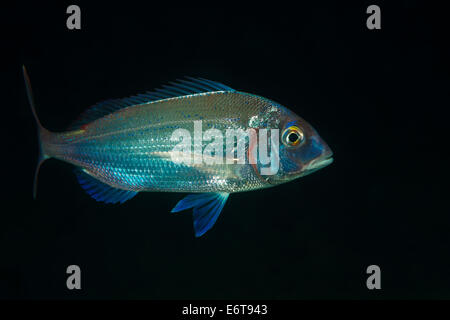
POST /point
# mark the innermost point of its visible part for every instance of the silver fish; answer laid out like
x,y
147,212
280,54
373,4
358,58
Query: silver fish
x,y
125,146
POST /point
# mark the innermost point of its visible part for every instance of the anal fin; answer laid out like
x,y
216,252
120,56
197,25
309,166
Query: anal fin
x,y
101,191
207,208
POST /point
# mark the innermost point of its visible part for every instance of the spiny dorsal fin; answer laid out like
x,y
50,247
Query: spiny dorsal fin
x,y
173,89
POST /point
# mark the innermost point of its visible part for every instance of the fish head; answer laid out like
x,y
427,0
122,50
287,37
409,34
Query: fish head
x,y
301,149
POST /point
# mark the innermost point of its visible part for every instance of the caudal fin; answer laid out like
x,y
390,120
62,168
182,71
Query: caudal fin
x,y
40,130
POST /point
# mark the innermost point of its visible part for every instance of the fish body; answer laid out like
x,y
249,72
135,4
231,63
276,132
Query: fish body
x,y
131,149
125,146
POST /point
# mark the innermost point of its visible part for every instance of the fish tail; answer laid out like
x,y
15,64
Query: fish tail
x,y
42,132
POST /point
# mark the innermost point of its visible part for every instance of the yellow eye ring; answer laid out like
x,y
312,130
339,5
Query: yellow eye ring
x,y
292,136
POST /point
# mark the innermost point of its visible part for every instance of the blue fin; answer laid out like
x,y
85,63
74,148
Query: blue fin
x,y
207,207
175,89
101,191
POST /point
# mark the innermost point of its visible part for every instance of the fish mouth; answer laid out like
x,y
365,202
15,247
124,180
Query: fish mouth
x,y
320,162
317,165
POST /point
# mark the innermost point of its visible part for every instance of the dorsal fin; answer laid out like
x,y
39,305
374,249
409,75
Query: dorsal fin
x,y
173,89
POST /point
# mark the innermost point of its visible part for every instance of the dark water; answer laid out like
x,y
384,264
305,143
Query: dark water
x,y
379,99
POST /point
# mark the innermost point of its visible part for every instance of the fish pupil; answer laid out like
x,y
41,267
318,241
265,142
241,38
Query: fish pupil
x,y
293,137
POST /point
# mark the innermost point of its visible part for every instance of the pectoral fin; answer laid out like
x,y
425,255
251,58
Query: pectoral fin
x,y
207,207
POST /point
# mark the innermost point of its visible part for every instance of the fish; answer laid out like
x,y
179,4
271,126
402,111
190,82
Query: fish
x,y
121,147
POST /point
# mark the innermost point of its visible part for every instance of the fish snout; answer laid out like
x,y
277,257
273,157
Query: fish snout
x,y
325,158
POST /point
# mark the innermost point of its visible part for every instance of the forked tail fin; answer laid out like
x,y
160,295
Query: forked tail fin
x,y
40,130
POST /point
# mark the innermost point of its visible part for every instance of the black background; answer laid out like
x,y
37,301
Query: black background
x,y
378,97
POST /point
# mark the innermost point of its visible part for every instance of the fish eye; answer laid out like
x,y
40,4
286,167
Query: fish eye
x,y
292,136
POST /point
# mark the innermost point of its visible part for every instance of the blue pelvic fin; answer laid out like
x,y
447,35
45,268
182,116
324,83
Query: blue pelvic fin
x,y
207,207
173,89
101,191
